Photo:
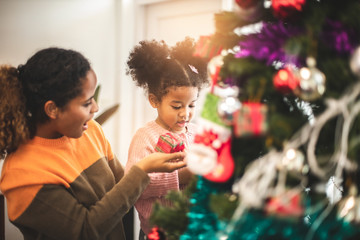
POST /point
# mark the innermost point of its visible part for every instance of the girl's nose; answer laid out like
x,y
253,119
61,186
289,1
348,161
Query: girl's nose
x,y
185,113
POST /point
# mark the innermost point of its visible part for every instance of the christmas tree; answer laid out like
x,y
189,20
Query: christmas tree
x,y
278,149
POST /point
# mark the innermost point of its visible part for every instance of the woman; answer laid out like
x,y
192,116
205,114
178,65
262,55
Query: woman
x,y
60,177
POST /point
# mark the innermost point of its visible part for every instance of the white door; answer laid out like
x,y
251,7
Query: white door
x,y
172,21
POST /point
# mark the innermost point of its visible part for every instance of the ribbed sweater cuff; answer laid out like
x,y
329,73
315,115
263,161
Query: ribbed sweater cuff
x,y
135,172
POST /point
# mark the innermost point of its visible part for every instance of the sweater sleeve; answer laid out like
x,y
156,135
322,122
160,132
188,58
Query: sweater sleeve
x,y
71,220
143,144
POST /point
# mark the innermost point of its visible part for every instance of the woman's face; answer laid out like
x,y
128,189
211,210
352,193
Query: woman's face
x,y
72,119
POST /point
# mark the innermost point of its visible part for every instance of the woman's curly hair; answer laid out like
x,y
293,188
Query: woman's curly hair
x,y
155,66
13,127
50,74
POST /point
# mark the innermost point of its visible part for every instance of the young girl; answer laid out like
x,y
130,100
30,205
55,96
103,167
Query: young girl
x,y
172,78
60,177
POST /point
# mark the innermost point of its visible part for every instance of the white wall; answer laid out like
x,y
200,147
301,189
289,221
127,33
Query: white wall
x,y
88,26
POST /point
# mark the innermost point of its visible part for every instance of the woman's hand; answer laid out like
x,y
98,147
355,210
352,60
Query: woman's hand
x,y
162,162
185,175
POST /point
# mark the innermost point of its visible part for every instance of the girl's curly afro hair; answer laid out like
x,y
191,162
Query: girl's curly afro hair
x,y
155,66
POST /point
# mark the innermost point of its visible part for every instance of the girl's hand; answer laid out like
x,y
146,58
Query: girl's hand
x,y
162,162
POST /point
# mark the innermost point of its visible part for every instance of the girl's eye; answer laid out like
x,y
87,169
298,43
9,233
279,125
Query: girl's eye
x,y
191,106
175,107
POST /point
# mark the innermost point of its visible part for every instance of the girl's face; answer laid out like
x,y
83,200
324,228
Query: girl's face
x,y
176,108
71,120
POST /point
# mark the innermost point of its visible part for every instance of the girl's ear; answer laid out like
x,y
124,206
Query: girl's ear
x,y
153,100
51,109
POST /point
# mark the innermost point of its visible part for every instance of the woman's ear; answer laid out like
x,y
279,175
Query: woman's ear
x,y
153,100
51,109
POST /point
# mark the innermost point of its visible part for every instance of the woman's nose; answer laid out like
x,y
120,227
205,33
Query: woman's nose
x,y
95,106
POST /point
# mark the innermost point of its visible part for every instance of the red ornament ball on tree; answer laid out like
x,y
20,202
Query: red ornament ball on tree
x,y
287,8
156,234
285,81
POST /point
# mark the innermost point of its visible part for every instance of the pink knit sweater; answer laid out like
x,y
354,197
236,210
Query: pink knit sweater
x,y
142,144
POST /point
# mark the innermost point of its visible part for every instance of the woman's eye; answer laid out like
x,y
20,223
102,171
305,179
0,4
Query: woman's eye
x,y
191,106
87,104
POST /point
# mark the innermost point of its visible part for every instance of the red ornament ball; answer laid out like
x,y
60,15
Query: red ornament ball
x,y
285,80
287,8
156,234
288,204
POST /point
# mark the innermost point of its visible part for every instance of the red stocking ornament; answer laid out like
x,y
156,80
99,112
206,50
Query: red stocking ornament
x,y
210,154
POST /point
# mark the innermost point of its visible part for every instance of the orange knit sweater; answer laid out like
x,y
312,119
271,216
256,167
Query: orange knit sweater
x,y
69,188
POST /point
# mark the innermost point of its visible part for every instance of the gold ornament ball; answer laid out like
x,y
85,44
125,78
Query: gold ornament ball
x,y
311,85
355,62
227,107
